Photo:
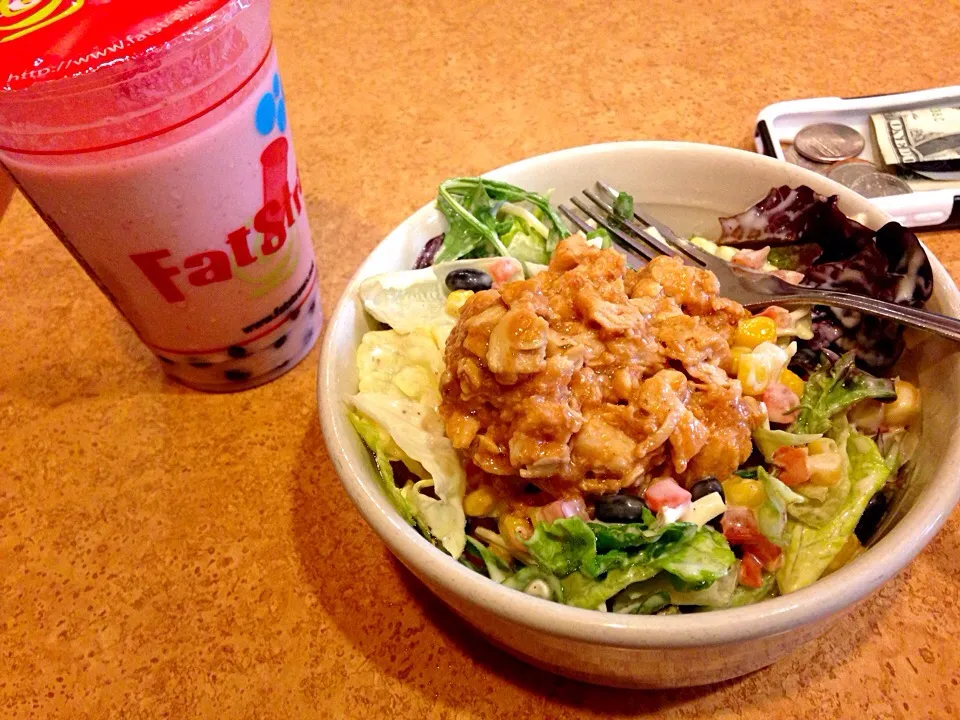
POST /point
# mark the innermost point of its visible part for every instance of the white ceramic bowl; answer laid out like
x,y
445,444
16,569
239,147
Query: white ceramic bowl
x,y
688,186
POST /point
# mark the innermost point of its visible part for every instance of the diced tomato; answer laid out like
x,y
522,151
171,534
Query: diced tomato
x,y
739,526
665,493
751,571
790,276
780,400
792,462
769,554
781,316
753,259
501,271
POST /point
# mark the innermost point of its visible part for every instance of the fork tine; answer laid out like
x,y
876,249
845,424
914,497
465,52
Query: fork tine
x,y
648,238
643,217
677,243
625,240
575,219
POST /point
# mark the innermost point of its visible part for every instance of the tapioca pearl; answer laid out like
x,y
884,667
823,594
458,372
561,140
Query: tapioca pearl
x,y
237,375
294,314
236,352
282,365
165,360
313,307
199,364
280,341
308,337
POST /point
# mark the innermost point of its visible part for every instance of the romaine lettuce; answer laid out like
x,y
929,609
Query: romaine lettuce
x,y
384,451
769,441
568,548
810,549
418,431
772,514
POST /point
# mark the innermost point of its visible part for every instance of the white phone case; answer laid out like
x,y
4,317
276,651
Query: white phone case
x,y
937,208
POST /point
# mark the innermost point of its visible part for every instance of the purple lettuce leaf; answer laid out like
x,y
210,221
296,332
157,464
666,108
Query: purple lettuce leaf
x,y
889,264
429,252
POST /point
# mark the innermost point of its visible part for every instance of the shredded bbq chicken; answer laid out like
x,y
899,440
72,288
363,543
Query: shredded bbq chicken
x,y
591,377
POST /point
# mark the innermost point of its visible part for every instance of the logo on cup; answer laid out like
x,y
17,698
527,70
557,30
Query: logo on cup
x,y
21,17
272,110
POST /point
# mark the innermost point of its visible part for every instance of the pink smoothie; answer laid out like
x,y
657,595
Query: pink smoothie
x,y
196,229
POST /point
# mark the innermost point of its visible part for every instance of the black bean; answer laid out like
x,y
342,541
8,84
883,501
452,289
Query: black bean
x,y
469,279
619,508
706,487
872,515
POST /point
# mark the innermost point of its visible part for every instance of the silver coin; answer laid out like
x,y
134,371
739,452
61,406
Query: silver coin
x,y
878,184
828,142
791,155
848,172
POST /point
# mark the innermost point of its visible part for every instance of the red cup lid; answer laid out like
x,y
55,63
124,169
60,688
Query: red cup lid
x,y
42,40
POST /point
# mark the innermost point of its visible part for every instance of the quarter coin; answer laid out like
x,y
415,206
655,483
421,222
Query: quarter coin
x,y
878,184
846,173
828,142
791,155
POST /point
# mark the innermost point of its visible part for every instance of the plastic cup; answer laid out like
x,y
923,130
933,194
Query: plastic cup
x,y
153,139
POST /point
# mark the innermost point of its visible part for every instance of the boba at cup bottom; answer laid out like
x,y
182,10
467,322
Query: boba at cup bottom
x,y
242,367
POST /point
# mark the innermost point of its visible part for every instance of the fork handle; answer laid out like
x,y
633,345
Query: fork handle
x,y
942,325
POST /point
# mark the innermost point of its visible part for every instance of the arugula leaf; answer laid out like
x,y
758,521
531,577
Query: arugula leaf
x,y
831,390
605,239
623,206
471,206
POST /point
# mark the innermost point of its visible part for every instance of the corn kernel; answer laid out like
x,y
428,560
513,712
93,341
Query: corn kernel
x,y
479,502
753,374
792,381
735,354
744,492
906,408
825,469
753,331
823,445
456,300
851,548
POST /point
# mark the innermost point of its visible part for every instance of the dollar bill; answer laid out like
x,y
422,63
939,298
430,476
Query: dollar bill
x,y
926,140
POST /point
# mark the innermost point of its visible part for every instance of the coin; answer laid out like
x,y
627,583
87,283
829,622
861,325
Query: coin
x,y
828,142
846,173
791,155
878,184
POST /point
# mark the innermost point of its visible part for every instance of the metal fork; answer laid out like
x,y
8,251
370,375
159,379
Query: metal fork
x,y
752,289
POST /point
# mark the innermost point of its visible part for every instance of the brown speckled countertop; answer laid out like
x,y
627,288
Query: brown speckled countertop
x,y
165,553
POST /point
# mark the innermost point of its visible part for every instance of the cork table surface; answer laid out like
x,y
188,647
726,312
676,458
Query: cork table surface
x,y
166,553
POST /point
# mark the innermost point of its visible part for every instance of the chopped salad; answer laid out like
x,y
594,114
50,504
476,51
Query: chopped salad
x,y
628,440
